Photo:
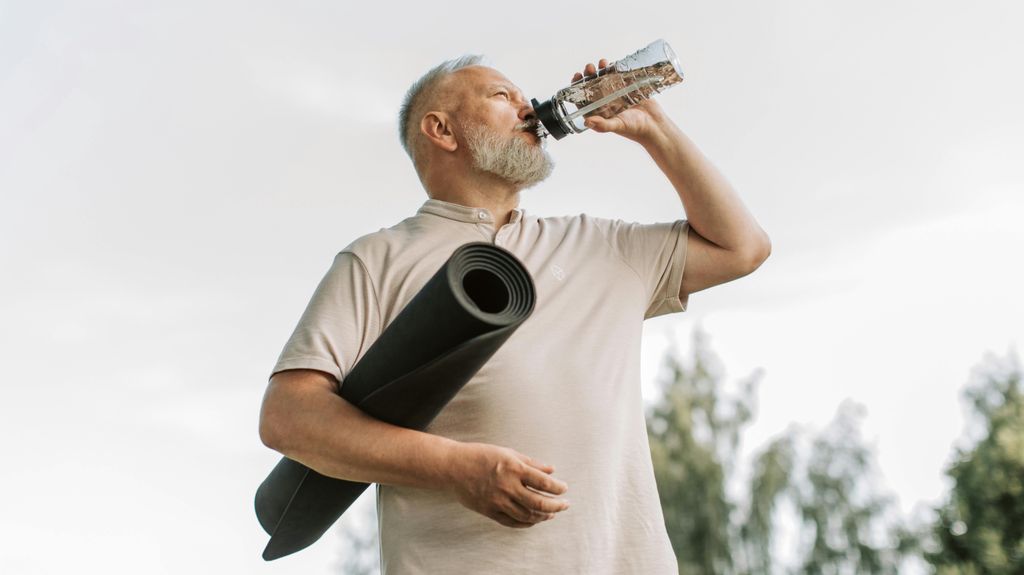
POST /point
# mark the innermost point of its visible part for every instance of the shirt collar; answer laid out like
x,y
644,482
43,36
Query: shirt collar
x,y
464,213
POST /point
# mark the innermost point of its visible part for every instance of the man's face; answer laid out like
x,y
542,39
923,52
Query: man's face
x,y
496,125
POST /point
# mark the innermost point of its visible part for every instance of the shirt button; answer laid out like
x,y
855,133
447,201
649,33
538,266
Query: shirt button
x,y
482,215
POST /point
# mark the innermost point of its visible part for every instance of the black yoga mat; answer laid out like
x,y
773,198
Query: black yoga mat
x,y
446,333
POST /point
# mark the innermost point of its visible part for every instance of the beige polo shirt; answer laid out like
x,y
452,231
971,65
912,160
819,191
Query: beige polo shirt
x,y
564,389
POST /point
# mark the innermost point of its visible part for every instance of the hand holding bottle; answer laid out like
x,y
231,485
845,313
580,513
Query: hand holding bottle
x,y
608,92
635,123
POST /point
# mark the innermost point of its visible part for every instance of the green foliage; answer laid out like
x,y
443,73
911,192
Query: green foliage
x,y
769,481
840,514
694,434
691,435
980,530
361,555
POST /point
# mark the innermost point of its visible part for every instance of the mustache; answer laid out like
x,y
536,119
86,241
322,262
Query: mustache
x,y
534,126
527,126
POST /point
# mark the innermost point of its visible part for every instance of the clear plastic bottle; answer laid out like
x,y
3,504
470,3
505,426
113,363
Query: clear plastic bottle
x,y
614,88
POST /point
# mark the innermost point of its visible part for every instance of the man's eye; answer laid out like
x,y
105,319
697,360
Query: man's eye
x,y
504,94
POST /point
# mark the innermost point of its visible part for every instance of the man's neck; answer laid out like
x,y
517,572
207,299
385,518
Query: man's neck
x,y
495,195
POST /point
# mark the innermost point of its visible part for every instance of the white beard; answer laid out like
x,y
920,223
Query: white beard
x,y
510,158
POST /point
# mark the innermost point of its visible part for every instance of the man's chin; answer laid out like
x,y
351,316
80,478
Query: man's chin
x,y
519,162
538,177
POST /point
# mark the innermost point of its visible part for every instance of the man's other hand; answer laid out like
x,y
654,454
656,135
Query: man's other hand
x,y
506,486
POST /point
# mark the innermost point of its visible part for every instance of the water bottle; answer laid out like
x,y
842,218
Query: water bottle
x,y
614,88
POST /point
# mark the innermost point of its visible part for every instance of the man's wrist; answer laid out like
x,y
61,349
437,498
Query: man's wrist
x,y
661,135
655,126
447,462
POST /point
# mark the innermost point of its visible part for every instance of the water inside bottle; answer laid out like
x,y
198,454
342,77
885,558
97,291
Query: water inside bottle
x,y
612,91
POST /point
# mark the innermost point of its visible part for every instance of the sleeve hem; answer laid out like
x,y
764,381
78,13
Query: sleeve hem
x,y
316,363
675,280
677,301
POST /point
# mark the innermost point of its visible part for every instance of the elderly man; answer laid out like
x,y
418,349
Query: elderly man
x,y
478,492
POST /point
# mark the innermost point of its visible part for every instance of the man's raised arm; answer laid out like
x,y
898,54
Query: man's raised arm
x,y
728,243
725,241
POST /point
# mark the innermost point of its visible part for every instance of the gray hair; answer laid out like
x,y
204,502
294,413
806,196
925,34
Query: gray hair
x,y
424,86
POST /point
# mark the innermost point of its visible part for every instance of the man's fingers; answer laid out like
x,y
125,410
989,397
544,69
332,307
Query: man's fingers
x,y
525,514
507,521
536,502
590,69
542,466
544,482
599,124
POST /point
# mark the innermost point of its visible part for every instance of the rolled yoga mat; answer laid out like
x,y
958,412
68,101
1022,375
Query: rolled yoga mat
x,y
446,333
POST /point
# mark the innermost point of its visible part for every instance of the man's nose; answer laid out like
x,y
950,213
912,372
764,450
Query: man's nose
x,y
527,113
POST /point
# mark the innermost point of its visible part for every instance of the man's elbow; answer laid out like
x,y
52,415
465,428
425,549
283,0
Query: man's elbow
x,y
291,399
272,429
758,253
269,433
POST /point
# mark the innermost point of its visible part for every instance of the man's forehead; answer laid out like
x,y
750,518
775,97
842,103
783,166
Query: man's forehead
x,y
482,77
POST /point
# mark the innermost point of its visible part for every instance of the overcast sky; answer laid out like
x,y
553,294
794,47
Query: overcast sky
x,y
175,178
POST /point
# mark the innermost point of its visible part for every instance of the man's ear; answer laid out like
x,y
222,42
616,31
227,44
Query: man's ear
x,y
437,127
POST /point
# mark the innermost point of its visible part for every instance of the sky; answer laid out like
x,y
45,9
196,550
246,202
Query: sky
x,y
176,177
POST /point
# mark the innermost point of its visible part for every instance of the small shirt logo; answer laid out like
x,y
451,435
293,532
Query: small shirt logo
x,y
558,272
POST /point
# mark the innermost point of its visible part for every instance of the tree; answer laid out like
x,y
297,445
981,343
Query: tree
x,y
694,431
980,529
361,553
770,480
842,515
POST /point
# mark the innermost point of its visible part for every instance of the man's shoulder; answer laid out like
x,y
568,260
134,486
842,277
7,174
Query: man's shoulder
x,y
577,219
604,224
372,244
580,223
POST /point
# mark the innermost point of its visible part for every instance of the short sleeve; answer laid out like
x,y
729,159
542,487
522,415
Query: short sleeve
x,y
340,321
657,254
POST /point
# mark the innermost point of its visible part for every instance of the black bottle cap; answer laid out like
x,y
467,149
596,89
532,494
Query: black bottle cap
x,y
546,114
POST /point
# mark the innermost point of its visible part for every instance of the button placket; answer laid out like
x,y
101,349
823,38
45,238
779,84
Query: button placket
x,y
486,231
